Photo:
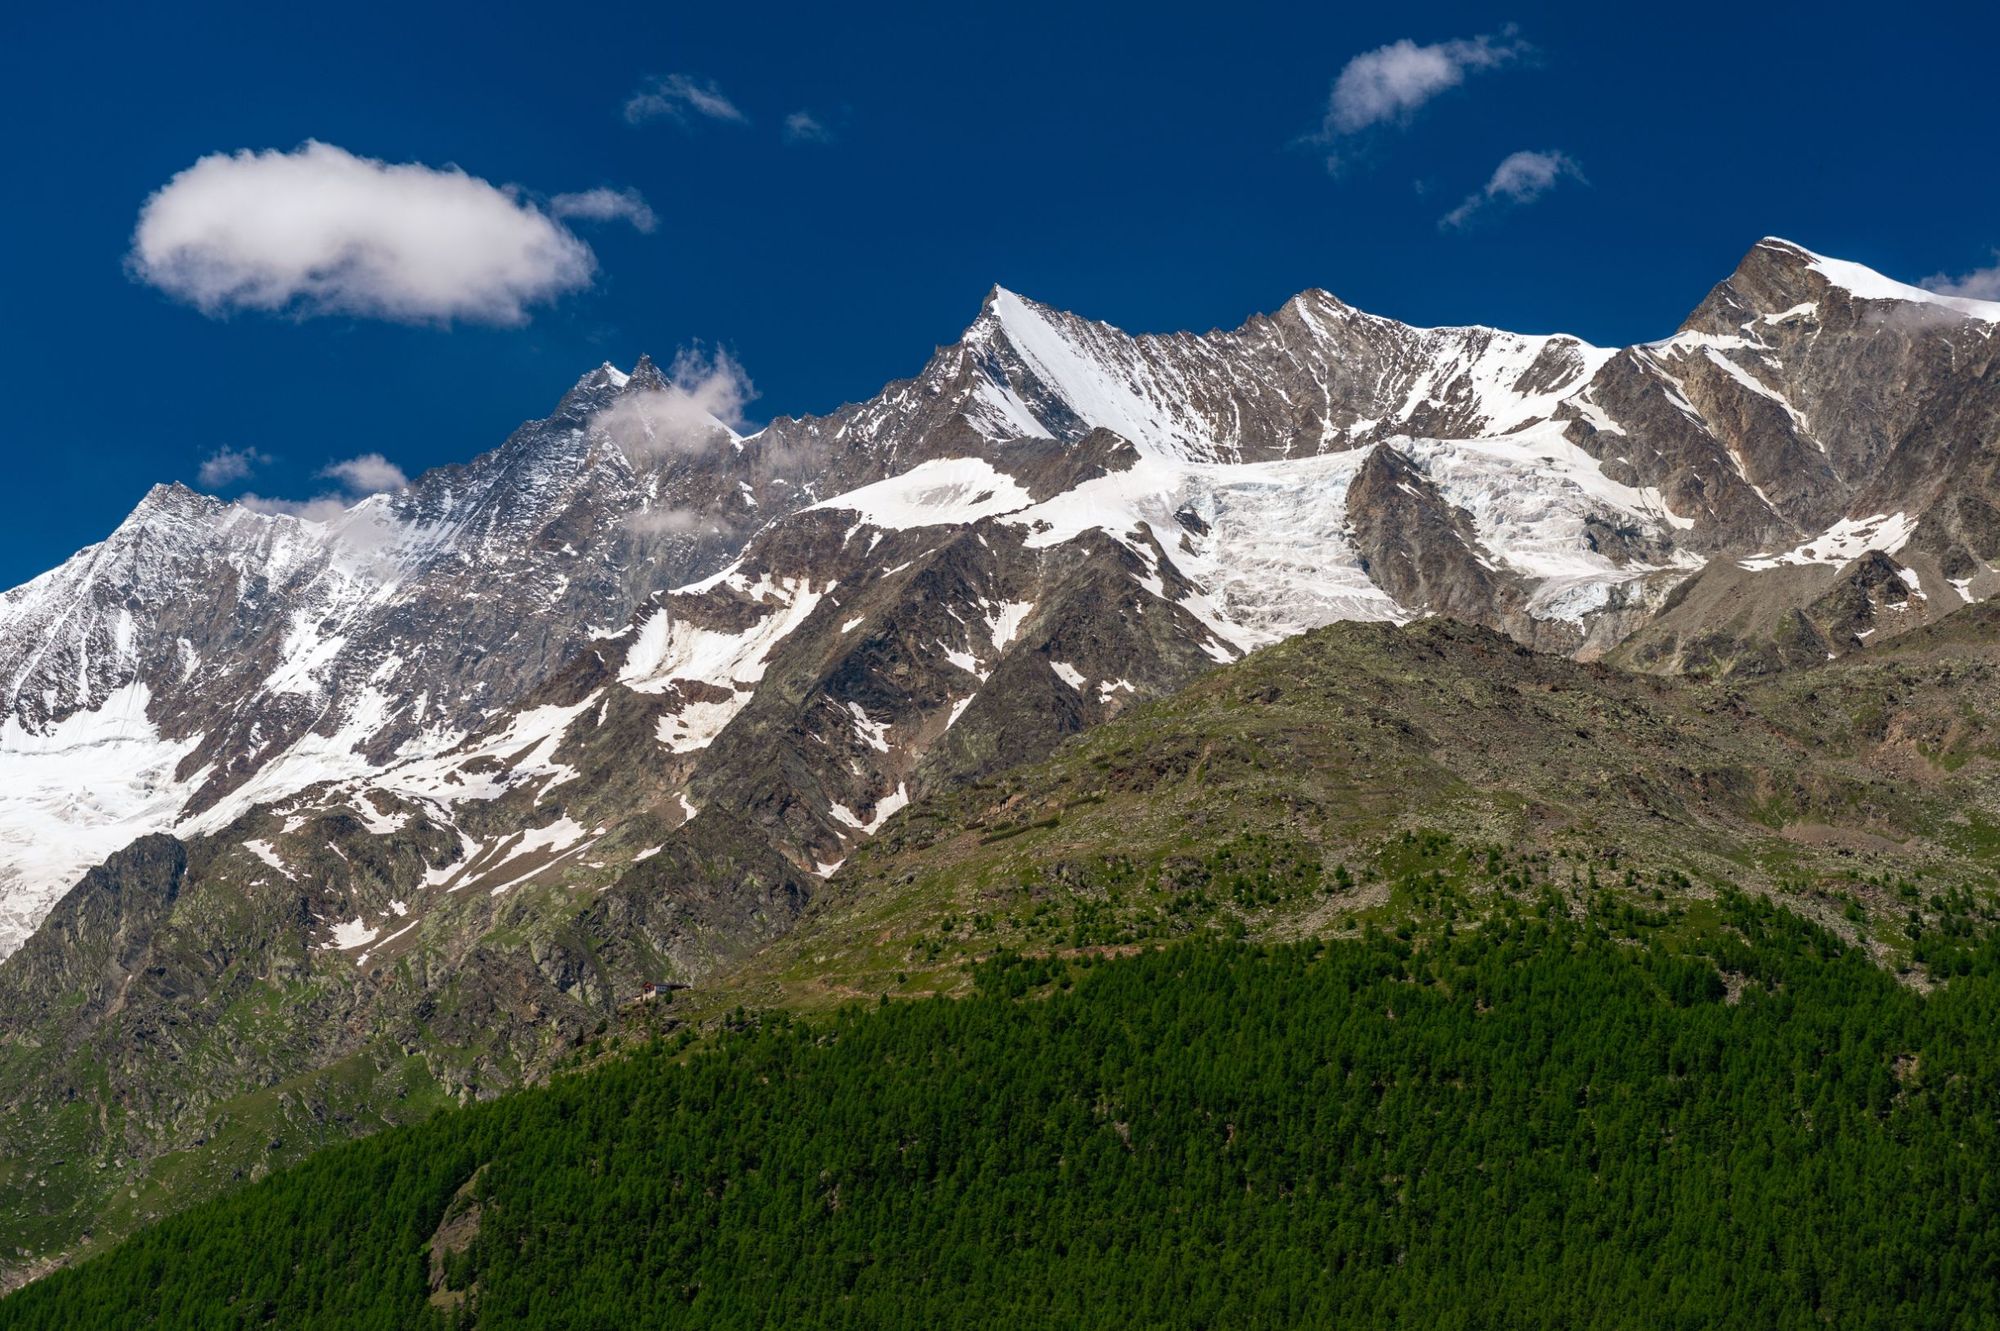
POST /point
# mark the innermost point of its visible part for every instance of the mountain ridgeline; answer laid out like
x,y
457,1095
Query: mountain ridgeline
x,y
1076,640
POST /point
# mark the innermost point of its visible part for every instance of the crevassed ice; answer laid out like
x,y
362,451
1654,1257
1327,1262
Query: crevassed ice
x,y
90,785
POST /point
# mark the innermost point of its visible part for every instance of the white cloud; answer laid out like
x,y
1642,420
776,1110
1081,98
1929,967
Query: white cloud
x,y
805,127
606,205
323,509
359,477
1979,284
319,230
677,96
703,395
368,474
226,466
1389,83
1521,177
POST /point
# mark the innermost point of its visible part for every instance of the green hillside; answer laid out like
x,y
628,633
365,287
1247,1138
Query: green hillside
x,y
1726,1119
1364,790
1363,772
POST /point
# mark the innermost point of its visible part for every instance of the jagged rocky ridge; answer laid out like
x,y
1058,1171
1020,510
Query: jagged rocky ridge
x,y
457,769
1317,464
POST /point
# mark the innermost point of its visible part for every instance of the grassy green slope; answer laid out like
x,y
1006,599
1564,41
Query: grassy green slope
x,y
1364,772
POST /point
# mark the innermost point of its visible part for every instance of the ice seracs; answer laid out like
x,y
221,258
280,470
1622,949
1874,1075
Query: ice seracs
x,y
75,792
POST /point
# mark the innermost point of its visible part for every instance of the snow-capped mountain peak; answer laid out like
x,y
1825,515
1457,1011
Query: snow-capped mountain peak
x,y
1138,505
1865,283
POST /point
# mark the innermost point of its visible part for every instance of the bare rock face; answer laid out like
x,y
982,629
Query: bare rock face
x,y
1887,388
1422,550
1800,391
99,933
1868,589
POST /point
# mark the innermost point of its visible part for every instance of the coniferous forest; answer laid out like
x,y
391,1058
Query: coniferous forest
x,y
1528,1120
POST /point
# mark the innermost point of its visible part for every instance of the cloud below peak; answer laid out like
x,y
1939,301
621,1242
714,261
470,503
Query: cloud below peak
x,y
1520,178
321,231
700,404
1979,284
323,508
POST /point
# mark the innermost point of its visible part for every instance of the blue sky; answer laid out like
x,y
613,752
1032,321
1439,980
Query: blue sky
x,y
1157,166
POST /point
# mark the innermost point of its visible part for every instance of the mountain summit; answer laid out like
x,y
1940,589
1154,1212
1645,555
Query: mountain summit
x,y
1316,464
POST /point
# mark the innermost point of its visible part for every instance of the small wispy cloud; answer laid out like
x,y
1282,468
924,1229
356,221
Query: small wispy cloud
x,y
368,474
680,97
319,230
606,205
359,477
805,127
1520,178
1979,284
1387,86
226,466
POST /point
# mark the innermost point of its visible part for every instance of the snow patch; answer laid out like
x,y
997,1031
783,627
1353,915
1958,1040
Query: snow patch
x,y
268,853
943,491
884,808
1003,621
670,652
354,933
1845,540
875,734
965,661
562,836
488,767
377,822
306,655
